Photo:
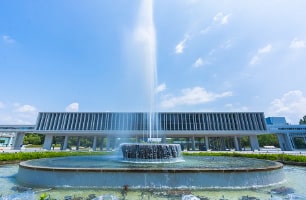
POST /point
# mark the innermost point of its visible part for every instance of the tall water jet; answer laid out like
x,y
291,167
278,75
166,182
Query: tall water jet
x,y
145,39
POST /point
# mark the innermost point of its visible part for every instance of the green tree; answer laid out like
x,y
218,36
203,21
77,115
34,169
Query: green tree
x,y
33,138
299,143
268,140
303,120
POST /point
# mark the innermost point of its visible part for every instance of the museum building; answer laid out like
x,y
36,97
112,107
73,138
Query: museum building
x,y
201,130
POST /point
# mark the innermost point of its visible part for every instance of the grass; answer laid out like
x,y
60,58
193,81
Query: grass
x,y
20,156
266,156
33,146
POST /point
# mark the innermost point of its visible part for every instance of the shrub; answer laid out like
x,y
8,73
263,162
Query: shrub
x,y
42,154
266,156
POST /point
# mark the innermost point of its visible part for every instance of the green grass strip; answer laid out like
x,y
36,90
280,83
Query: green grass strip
x,y
266,156
20,156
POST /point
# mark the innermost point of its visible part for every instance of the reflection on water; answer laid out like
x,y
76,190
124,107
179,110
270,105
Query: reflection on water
x,y
216,162
292,188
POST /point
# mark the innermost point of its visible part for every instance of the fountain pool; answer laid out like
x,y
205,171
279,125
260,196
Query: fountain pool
x,y
111,172
293,182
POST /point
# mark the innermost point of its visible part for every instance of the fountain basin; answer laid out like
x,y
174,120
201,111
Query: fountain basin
x,y
108,172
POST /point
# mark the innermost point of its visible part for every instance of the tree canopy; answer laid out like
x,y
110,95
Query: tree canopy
x,y
303,120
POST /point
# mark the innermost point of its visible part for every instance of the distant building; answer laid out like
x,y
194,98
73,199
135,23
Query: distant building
x,y
193,130
289,136
11,136
7,139
276,121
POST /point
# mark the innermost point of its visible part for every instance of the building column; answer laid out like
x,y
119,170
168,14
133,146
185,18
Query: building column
x,y
108,141
254,142
65,142
101,144
18,141
192,143
11,141
94,143
236,143
78,143
136,139
290,142
285,142
206,143
113,143
281,141
187,143
163,140
48,142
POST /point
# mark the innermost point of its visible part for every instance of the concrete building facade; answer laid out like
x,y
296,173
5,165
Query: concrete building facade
x,y
141,126
204,130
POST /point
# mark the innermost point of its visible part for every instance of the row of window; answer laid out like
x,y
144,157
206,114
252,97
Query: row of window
x,y
16,127
146,121
295,128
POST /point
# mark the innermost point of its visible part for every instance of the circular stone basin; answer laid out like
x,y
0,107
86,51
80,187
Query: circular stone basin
x,y
111,172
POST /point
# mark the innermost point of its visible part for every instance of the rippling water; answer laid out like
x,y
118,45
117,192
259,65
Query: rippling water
x,y
218,162
295,182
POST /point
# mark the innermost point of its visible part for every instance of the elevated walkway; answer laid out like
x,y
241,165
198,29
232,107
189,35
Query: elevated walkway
x,y
286,133
11,136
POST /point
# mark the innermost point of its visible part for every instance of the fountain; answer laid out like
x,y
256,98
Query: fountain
x,y
151,152
149,165
114,172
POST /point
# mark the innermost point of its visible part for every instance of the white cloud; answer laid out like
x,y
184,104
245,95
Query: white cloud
x,y
236,108
221,18
192,96
20,119
265,49
26,109
17,114
254,60
226,45
297,44
199,62
1,105
160,88
179,48
73,107
260,52
205,30
291,105
8,39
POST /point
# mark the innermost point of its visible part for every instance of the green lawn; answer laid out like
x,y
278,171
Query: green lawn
x,y
20,156
266,156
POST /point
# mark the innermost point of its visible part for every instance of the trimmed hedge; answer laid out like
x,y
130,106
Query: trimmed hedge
x,y
20,156
266,156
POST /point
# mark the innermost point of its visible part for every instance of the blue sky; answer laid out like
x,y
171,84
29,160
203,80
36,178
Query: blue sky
x,y
73,55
